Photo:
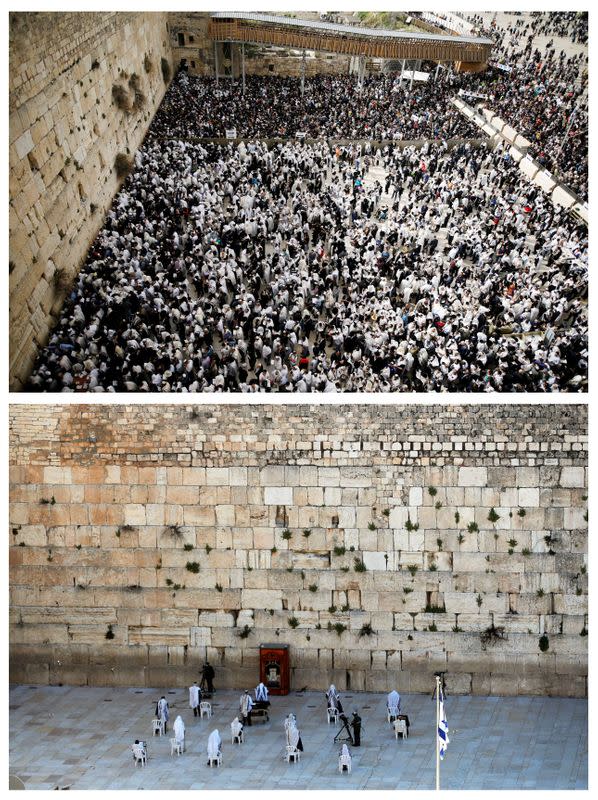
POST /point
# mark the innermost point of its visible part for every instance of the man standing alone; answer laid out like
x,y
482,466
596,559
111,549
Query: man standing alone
x,y
194,698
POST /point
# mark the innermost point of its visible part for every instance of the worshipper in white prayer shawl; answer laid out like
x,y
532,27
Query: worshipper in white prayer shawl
x,y
214,744
236,727
294,737
245,705
393,703
261,693
194,698
162,711
334,699
345,757
179,731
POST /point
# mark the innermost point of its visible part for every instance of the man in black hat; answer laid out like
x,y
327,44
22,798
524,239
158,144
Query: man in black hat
x,y
356,725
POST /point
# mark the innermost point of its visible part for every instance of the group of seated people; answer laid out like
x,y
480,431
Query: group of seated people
x,y
293,741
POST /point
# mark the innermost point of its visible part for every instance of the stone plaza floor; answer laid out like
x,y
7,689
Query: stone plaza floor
x,y
80,737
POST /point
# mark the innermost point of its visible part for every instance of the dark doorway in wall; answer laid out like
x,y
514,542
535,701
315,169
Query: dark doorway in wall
x,y
181,39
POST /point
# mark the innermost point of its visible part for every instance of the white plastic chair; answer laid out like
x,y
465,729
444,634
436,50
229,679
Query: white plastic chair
x,y
139,754
344,761
215,760
393,713
176,747
400,727
158,726
332,714
292,753
205,708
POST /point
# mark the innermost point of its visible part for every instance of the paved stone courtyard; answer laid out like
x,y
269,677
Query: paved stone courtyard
x,y
80,737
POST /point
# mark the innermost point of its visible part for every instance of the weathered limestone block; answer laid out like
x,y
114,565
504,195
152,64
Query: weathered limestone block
x,y
573,477
473,476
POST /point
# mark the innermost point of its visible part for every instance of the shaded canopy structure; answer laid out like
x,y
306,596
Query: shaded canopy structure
x,y
279,31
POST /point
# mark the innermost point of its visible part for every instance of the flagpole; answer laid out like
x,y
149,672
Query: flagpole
x,y
437,736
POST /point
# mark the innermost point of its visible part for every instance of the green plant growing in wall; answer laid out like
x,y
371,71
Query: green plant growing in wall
x,y
432,491
193,566
244,633
473,527
457,517
109,633
344,569
412,569
493,516
512,545
286,534
332,609
491,635
540,593
526,551
371,526
411,526
432,627
460,538
169,581
307,533
188,547
218,587
293,622
359,565
543,643
366,630
339,628
339,550
433,609
313,587
456,629
346,607
208,549
439,543
386,512
521,512
479,600
407,589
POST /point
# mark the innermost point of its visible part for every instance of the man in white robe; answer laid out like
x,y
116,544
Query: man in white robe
x,y
214,744
194,698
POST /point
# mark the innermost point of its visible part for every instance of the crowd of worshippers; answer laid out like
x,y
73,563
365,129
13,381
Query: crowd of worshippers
x,y
544,95
283,269
293,744
382,108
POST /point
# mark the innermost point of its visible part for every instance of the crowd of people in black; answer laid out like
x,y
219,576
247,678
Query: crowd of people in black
x,y
333,106
320,267
544,93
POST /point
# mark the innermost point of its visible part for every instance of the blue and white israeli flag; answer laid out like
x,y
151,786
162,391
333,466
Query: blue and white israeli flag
x,y
443,738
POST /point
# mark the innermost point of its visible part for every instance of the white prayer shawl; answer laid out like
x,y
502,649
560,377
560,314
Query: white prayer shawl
x,y
214,743
236,726
261,693
179,729
245,704
394,699
345,751
193,696
293,736
163,709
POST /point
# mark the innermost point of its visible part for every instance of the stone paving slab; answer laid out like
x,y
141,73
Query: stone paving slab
x,y
80,737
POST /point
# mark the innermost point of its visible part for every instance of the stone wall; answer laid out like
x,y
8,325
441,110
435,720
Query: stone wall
x,y
378,541
66,128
